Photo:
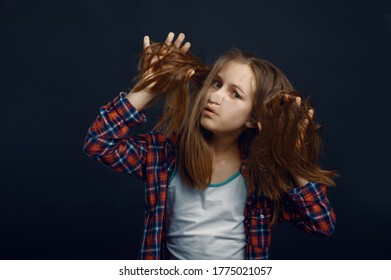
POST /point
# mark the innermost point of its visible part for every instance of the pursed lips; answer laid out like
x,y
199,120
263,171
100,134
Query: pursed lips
x,y
210,109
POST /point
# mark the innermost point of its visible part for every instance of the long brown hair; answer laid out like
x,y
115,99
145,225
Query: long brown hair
x,y
280,149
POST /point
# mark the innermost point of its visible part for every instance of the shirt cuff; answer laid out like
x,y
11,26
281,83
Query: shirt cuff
x,y
129,113
307,195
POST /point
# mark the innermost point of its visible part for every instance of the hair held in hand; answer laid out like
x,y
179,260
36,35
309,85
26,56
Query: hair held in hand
x,y
288,143
170,80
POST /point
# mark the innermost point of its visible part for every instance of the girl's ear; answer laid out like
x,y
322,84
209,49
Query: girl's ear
x,y
251,124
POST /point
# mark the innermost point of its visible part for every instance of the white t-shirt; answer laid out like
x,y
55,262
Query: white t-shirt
x,y
206,224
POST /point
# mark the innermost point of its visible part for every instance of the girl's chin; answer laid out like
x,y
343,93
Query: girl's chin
x,y
207,128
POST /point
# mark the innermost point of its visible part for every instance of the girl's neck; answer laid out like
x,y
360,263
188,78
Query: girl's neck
x,y
226,159
224,148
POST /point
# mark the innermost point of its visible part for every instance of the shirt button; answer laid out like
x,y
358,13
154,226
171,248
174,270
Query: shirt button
x,y
261,216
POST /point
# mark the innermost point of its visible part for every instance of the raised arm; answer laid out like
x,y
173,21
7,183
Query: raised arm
x,y
109,141
307,205
285,163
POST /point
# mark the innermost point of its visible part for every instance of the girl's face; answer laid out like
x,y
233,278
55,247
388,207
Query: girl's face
x,y
229,100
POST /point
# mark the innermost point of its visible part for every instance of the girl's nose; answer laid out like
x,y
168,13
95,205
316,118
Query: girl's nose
x,y
217,97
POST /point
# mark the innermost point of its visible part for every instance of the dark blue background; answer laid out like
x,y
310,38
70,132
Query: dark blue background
x,y
62,60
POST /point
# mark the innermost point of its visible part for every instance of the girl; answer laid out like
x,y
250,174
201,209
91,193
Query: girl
x,y
234,153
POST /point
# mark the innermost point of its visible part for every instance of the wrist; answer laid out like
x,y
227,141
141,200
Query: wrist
x,y
140,99
299,181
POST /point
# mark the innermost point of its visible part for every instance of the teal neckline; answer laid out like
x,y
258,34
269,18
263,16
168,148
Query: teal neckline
x,y
225,181
210,185
172,175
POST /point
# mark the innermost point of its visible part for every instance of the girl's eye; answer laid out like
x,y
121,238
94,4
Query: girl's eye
x,y
216,84
236,95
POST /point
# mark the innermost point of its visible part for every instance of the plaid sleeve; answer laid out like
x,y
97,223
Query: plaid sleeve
x,y
309,208
108,140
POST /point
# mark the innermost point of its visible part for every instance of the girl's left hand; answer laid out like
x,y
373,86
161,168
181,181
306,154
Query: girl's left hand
x,y
303,125
300,181
288,106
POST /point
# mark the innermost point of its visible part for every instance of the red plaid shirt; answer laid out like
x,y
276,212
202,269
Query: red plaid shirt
x,y
151,157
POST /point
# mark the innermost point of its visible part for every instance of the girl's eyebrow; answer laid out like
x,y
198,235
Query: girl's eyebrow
x,y
236,86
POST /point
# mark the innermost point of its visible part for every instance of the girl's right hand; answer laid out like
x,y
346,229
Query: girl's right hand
x,y
168,71
167,43
157,55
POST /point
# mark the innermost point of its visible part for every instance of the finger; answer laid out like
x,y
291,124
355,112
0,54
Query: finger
x,y
179,40
311,113
167,43
189,73
289,98
146,44
305,123
302,126
186,47
169,38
